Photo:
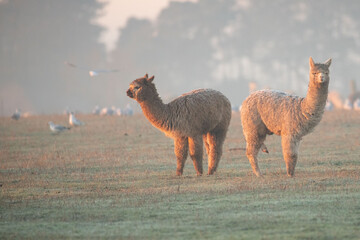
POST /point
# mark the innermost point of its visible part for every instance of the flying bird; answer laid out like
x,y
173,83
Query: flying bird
x,y
92,72
57,128
73,121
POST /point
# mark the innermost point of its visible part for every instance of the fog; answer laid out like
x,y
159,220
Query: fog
x,y
48,48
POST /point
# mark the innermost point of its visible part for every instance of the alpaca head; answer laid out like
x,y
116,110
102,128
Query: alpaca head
x,y
142,89
319,72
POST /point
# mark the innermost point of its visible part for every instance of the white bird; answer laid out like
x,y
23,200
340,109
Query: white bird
x,y
357,104
329,106
96,110
107,111
73,121
128,110
347,104
94,73
27,114
119,112
16,115
91,72
104,111
57,128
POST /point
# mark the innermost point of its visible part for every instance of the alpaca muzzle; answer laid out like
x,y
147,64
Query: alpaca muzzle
x,y
323,80
129,93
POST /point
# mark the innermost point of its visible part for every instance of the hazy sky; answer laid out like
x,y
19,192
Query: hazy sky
x,y
218,44
117,12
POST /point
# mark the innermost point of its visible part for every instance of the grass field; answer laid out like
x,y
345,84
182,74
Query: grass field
x,y
114,178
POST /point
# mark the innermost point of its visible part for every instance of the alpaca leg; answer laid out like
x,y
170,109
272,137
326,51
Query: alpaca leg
x,y
219,146
216,141
196,153
181,152
206,143
252,149
290,149
251,153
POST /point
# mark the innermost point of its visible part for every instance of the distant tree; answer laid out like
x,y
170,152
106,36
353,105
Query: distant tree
x,y
225,44
277,38
177,48
36,37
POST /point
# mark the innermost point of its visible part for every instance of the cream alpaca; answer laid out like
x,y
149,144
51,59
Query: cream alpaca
x,y
267,112
199,115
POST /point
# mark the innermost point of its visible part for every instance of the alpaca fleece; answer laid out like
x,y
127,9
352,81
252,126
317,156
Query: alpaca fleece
x,y
269,112
193,118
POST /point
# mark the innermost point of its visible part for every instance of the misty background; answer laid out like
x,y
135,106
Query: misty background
x,y
219,44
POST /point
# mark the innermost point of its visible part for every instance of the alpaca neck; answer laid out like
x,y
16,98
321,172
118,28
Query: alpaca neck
x,y
315,100
155,110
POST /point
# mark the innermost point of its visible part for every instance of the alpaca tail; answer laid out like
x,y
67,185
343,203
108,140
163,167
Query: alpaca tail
x,y
264,148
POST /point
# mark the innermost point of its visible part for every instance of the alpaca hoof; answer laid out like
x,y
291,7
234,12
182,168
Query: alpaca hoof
x,y
290,172
178,173
211,171
258,174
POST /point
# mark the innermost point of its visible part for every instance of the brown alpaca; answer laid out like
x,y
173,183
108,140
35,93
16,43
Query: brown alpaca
x,y
199,115
267,112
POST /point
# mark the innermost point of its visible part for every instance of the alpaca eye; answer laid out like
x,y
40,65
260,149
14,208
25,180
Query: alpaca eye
x,y
136,88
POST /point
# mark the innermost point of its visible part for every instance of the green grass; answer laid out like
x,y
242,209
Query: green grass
x,y
114,178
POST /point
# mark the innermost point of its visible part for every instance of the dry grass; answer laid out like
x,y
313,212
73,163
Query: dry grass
x,y
115,178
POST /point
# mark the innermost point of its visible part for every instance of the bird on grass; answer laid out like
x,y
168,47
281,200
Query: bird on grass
x,y
108,111
329,106
73,121
96,110
16,115
347,104
357,104
128,111
57,128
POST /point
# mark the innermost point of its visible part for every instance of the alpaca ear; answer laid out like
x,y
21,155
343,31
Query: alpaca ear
x,y
328,62
151,79
146,76
311,61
